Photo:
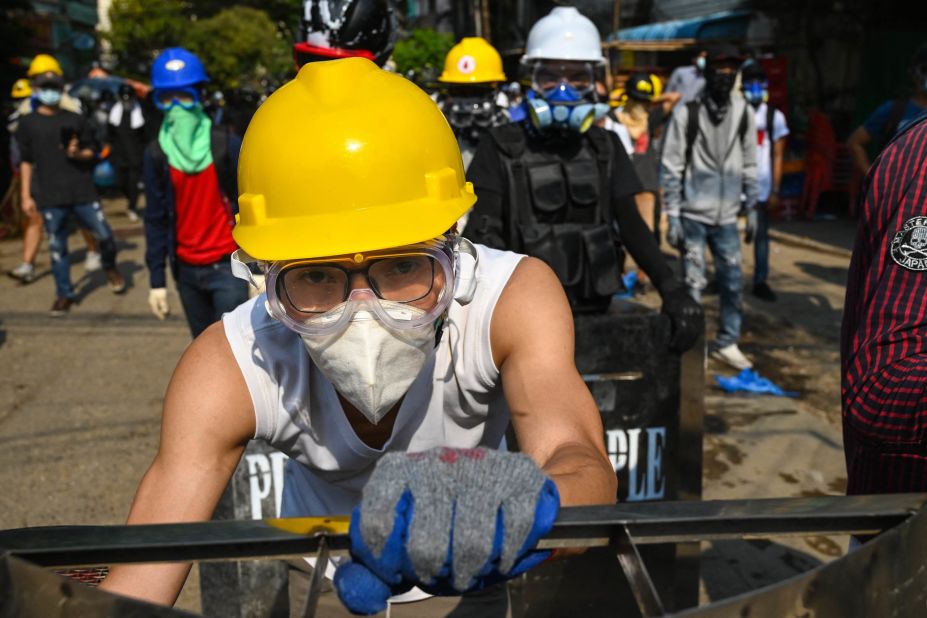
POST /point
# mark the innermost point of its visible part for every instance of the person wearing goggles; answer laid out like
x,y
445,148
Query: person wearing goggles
x,y
555,186
190,197
385,358
470,96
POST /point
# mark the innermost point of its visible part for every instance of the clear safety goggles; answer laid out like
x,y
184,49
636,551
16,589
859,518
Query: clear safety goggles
x,y
548,74
404,288
467,112
186,98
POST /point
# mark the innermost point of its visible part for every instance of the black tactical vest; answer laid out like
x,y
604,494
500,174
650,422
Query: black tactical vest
x,y
560,211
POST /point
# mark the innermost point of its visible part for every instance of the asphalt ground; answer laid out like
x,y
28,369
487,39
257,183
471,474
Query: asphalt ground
x,y
80,401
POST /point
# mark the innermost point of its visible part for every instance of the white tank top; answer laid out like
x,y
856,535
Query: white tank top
x,y
456,401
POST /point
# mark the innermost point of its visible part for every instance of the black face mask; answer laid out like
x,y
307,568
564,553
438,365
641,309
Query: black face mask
x,y
719,85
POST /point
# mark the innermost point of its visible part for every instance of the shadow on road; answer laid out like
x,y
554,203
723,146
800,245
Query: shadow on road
x,y
730,568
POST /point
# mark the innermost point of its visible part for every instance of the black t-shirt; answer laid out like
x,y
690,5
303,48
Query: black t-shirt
x,y
56,179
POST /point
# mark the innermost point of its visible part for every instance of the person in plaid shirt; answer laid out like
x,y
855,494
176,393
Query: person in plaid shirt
x,y
884,334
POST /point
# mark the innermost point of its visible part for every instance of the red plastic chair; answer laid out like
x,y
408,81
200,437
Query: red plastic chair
x,y
829,166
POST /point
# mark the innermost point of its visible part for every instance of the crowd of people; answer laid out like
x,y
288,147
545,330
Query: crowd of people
x,y
416,271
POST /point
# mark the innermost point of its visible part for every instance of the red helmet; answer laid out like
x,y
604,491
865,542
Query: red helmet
x,y
345,28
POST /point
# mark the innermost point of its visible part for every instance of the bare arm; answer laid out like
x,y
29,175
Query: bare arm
x,y
207,421
857,144
668,101
28,204
553,413
778,157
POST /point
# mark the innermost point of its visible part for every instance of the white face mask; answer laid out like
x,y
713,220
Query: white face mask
x,y
370,365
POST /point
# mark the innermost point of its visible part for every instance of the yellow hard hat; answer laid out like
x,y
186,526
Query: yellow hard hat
x,y
326,172
472,61
21,89
657,85
43,63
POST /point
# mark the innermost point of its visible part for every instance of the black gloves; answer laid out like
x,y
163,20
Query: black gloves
x,y
686,318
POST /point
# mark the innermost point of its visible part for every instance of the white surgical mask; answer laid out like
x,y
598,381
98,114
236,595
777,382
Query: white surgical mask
x,y
370,365
49,96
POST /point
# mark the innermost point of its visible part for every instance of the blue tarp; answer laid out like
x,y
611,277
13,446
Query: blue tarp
x,y
723,25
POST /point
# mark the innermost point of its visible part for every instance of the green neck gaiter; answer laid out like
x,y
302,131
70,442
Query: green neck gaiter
x,y
185,139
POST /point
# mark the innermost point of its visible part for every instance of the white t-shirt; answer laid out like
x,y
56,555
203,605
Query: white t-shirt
x,y
457,399
764,149
622,132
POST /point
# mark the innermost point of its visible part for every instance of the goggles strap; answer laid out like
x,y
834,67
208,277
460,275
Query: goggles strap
x,y
240,268
465,277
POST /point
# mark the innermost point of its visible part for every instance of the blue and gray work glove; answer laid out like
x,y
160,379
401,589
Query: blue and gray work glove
x,y
448,521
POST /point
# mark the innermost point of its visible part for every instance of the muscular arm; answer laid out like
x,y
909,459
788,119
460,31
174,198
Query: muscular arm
x,y
207,421
553,413
857,144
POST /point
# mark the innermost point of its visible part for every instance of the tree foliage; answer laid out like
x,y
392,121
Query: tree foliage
x,y
239,45
422,53
141,29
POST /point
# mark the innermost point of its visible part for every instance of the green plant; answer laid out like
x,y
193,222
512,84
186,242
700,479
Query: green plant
x,y
422,53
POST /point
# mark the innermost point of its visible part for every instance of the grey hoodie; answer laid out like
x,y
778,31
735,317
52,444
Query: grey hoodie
x,y
722,169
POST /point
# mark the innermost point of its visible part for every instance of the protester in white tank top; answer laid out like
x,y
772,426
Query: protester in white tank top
x,y
386,358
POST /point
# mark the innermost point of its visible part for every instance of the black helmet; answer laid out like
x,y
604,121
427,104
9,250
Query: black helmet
x,y
722,54
640,87
751,70
345,28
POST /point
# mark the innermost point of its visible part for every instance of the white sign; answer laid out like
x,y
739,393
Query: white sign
x,y
646,480
265,474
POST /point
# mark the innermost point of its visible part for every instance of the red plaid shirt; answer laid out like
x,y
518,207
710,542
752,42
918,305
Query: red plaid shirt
x,y
884,334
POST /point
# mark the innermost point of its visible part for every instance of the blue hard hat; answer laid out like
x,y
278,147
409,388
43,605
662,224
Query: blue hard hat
x,y
176,68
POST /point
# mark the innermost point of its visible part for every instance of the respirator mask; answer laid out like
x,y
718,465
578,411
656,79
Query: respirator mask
x,y
563,96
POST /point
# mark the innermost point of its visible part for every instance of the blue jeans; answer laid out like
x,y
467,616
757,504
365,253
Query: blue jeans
x,y
724,242
761,244
89,215
207,291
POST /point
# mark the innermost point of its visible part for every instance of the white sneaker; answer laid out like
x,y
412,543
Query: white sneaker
x,y
732,355
25,273
93,261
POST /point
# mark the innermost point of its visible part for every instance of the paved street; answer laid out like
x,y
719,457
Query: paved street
x,y
80,399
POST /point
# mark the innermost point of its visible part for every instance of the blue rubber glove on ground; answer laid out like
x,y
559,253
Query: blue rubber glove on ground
x,y
448,521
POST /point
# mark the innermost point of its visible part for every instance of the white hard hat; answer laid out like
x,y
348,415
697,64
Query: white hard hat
x,y
564,34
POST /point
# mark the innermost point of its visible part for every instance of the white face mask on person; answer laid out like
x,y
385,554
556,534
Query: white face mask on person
x,y
370,365
48,96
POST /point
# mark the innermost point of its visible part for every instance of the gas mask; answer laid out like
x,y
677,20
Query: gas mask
x,y
756,92
563,107
470,116
563,96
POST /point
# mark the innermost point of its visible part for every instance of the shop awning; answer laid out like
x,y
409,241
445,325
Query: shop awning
x,y
726,25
